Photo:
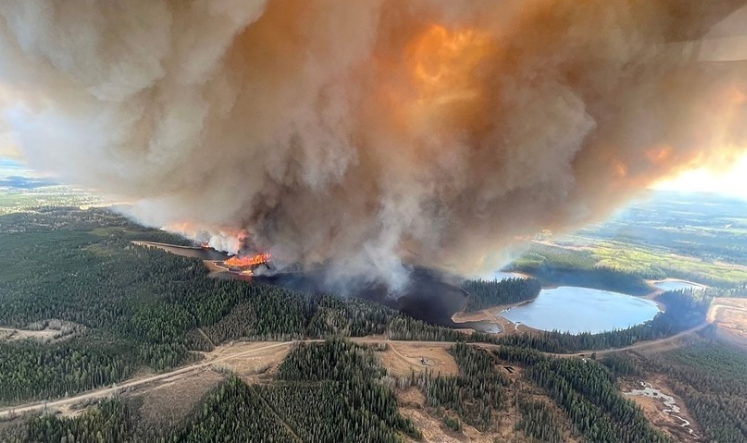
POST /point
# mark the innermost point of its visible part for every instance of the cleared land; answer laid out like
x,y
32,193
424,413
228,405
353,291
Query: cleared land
x,y
493,316
47,332
21,334
168,403
402,359
254,363
258,360
218,356
665,410
730,317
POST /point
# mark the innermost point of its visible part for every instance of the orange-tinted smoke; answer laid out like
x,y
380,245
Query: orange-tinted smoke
x,y
370,135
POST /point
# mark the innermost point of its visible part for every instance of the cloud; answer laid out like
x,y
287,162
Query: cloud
x,y
368,134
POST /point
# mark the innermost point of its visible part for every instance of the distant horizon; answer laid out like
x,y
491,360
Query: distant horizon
x,y
731,184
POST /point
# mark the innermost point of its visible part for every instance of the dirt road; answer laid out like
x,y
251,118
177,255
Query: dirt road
x,y
223,356
106,392
638,346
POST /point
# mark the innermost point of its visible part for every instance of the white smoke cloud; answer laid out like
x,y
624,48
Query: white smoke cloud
x,y
367,134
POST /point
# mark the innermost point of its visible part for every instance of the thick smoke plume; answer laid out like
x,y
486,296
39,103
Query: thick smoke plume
x,y
368,134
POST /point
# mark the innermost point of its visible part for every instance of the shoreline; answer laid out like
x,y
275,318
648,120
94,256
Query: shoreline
x,y
492,315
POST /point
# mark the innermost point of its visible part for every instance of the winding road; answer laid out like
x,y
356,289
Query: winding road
x,y
106,392
37,406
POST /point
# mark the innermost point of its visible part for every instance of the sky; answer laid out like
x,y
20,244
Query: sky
x,y
730,181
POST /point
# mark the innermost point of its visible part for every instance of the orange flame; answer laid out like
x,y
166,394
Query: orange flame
x,y
248,261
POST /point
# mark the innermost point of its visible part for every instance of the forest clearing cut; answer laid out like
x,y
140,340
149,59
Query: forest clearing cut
x,y
47,331
402,359
665,410
730,317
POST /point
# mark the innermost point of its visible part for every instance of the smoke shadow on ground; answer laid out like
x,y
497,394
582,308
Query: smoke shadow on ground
x,y
430,296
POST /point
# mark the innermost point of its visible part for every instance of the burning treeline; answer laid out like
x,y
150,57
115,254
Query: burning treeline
x,y
373,133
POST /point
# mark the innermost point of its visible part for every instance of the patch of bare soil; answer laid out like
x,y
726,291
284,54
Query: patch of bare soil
x,y
255,368
431,427
164,406
493,316
509,416
730,317
46,331
214,267
647,348
430,422
434,429
402,359
410,397
662,408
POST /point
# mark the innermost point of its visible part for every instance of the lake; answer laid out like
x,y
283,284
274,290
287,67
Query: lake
x,y
677,285
576,310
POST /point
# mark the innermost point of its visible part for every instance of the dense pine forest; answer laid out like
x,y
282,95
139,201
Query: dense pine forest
x,y
484,293
475,394
141,307
587,393
710,376
324,392
126,309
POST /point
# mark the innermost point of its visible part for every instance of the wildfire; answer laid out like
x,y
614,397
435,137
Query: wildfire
x,y
247,261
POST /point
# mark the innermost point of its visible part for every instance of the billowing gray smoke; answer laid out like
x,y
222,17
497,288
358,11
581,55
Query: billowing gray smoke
x,y
368,134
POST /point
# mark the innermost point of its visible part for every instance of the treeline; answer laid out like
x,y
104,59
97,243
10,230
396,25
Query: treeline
x,y
30,370
585,390
562,267
331,392
476,394
324,392
485,293
684,310
710,377
109,421
88,272
233,412
539,422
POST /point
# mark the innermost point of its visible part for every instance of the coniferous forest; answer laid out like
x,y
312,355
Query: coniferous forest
x,y
120,310
484,294
142,307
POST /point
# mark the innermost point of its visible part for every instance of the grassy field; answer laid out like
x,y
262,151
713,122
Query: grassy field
x,y
695,237
14,200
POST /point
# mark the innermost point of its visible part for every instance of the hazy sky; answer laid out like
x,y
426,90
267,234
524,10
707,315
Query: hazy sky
x,y
731,180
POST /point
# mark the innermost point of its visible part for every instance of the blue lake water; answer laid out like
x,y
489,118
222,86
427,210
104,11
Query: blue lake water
x,y
577,310
676,285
